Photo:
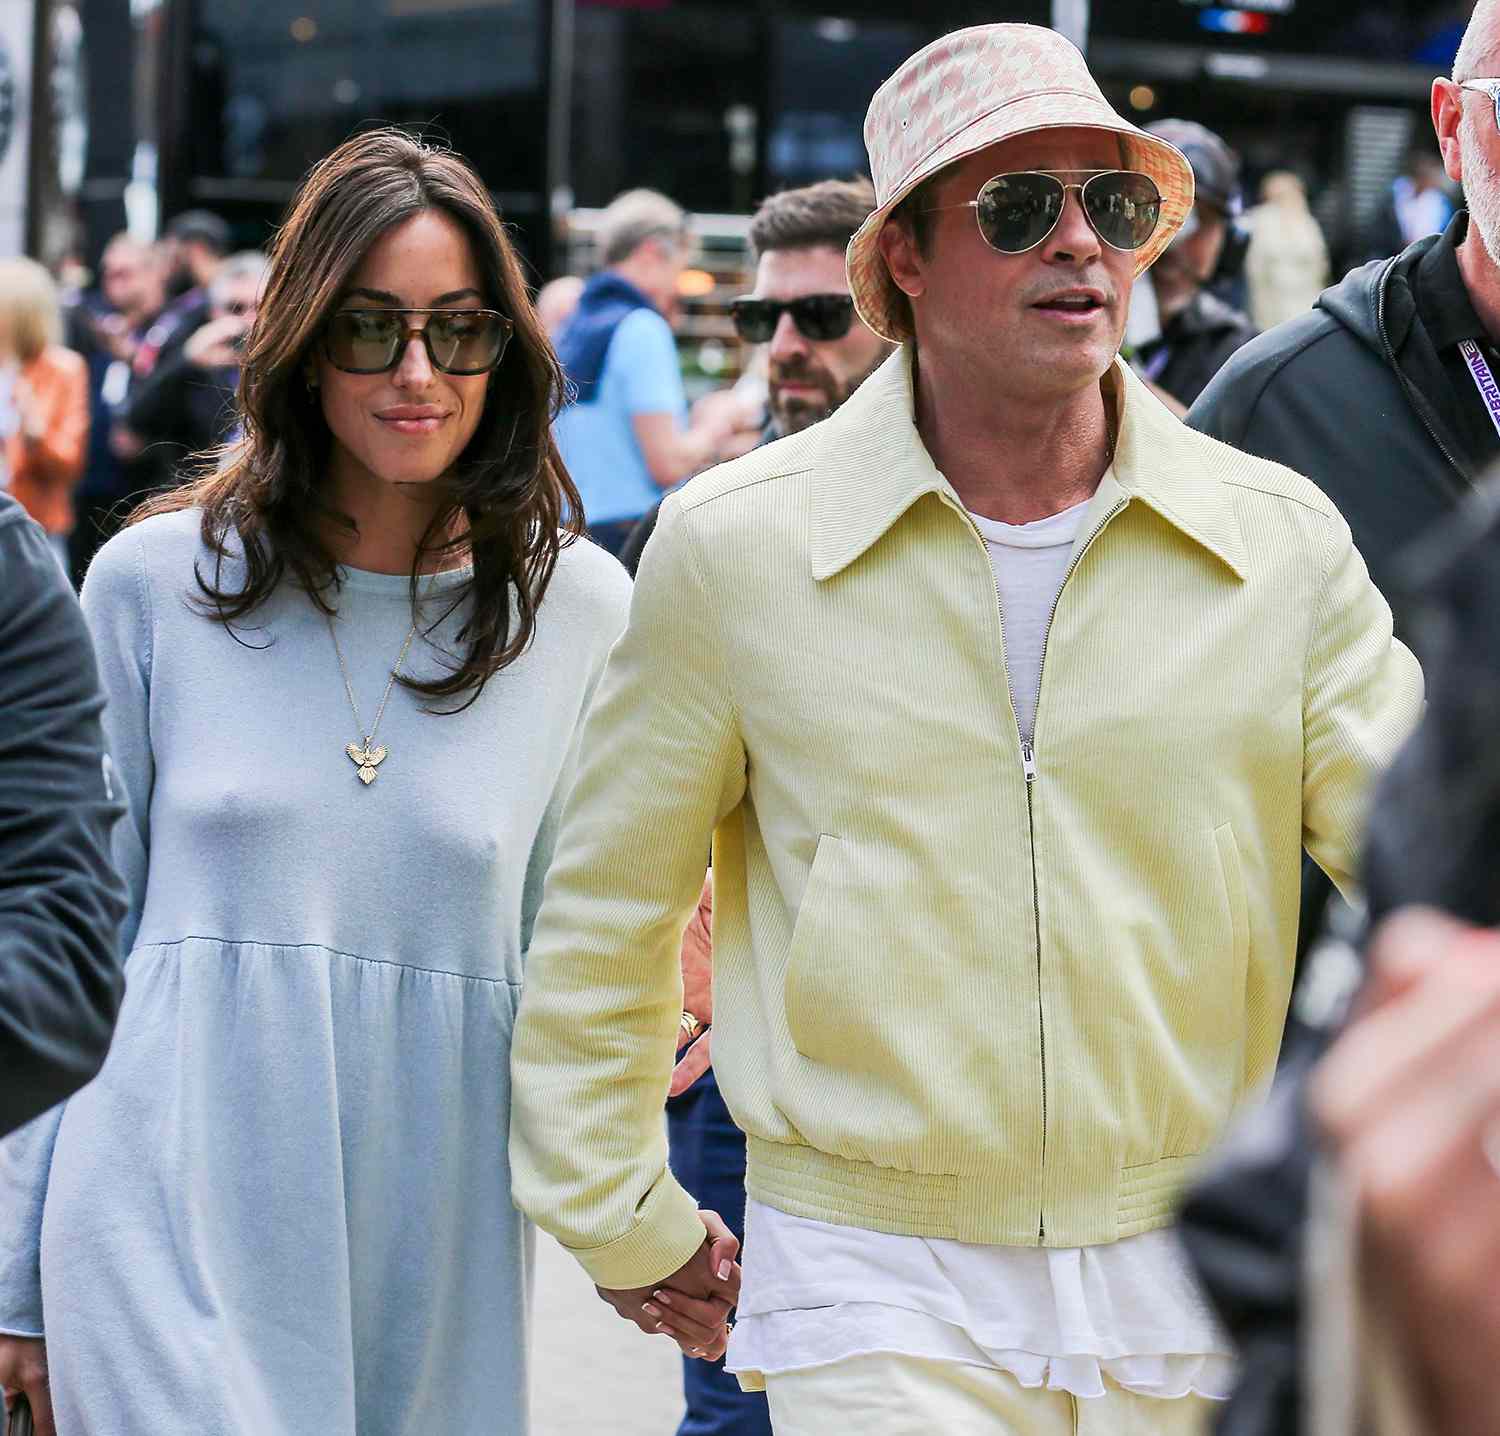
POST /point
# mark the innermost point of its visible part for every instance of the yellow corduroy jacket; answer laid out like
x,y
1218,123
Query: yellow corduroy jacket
x,y
960,990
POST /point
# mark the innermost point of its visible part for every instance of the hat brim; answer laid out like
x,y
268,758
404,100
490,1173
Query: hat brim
x,y
887,311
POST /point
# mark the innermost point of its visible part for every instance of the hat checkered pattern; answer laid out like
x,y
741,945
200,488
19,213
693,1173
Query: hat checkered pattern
x,y
972,89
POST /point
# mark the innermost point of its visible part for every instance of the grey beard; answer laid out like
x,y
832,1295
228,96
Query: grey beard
x,y
1481,187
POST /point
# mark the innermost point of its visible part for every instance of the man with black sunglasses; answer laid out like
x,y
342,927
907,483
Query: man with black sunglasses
x,y
1009,702
819,349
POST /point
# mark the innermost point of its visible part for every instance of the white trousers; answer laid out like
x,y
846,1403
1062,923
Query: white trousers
x,y
889,1395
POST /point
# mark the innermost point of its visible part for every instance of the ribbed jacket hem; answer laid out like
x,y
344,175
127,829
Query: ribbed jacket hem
x,y
810,1183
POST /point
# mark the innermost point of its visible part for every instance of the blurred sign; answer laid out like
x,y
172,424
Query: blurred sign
x,y
1399,30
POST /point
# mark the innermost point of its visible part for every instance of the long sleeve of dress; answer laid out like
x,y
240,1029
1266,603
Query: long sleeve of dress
x,y
117,607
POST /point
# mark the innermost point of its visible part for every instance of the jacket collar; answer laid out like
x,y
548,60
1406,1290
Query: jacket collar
x,y
872,467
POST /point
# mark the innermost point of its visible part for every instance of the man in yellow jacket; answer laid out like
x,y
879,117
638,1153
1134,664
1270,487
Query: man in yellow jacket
x,y
1010,704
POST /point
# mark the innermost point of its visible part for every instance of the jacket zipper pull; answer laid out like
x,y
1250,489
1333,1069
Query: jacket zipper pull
x,y
1028,760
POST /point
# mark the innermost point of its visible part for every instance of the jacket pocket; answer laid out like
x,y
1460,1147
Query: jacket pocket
x,y
805,989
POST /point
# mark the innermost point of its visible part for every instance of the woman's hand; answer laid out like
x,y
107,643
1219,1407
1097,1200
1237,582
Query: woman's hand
x,y
23,1370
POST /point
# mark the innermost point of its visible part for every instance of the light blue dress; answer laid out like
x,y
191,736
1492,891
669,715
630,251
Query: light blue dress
x,y
284,1206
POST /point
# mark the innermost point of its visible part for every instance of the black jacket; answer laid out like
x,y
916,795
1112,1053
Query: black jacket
x,y
1353,395
1195,345
182,409
61,901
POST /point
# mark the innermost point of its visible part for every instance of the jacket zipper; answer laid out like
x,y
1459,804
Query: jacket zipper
x,y
1029,771
1390,356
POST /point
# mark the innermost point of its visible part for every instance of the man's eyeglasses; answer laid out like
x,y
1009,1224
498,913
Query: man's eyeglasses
x,y
819,317
1485,87
458,341
1016,212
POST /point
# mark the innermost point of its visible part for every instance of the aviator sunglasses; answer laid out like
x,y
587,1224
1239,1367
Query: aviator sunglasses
x,y
1016,212
458,341
818,317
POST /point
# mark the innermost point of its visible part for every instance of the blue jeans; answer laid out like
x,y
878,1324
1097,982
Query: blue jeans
x,y
708,1158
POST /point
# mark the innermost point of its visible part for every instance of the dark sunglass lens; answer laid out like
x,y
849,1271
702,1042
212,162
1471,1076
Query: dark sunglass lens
x,y
1123,207
363,343
823,317
464,343
755,320
1017,212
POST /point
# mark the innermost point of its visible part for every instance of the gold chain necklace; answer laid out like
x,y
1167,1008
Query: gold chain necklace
x,y
365,757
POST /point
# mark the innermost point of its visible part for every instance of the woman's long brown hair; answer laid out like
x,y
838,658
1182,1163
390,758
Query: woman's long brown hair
x,y
508,499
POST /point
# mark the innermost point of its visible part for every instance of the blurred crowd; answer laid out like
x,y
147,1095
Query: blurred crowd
x,y
114,384
108,391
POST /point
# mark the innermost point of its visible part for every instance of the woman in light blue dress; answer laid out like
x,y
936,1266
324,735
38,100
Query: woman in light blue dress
x,y
345,677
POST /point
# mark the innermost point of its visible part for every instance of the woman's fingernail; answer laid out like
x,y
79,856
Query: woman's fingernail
x,y
650,1310
724,1269
662,1297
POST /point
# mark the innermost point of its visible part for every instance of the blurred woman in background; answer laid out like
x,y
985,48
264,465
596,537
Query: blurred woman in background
x,y
44,401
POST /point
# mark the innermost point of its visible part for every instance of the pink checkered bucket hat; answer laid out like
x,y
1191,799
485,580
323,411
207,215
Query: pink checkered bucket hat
x,y
971,89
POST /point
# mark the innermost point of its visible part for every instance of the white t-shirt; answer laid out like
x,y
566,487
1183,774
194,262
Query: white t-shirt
x,y
1030,562
815,1293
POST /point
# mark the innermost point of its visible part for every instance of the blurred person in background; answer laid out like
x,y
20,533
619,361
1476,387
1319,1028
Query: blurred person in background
x,y
555,302
1419,202
193,247
626,435
1286,264
1385,395
44,402
187,402
110,324
1380,393
1199,331
1350,1232
189,255
61,900
818,350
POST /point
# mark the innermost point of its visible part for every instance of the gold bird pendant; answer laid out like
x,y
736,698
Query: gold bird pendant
x,y
366,759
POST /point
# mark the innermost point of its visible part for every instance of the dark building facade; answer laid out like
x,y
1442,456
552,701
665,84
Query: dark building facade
x,y
562,103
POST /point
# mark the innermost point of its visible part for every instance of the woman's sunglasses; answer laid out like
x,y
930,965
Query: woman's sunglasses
x,y
458,341
818,317
1016,212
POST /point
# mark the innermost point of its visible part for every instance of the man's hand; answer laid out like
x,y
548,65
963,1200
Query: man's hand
x,y
1409,1102
23,1369
125,443
692,1305
113,333
216,344
697,991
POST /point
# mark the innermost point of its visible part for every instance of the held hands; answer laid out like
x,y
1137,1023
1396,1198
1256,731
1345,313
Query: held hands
x,y
23,1371
697,992
692,1305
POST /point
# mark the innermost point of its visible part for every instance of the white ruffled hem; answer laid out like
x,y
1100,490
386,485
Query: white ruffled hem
x,y
795,1340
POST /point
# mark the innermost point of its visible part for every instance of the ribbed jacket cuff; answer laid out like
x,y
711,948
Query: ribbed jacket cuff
x,y
666,1235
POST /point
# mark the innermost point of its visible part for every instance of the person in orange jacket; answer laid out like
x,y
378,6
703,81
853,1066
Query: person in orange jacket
x,y
44,400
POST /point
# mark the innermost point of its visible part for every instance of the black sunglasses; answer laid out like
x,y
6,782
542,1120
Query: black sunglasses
x,y
458,341
818,317
1016,212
